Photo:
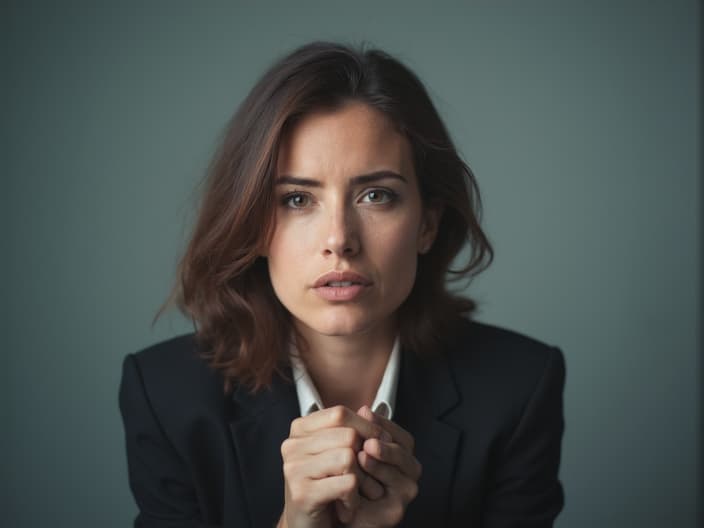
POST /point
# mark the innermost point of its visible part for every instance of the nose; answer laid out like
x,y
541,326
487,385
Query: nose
x,y
341,234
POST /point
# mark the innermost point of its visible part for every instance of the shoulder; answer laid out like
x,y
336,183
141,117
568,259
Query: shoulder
x,y
501,369
174,362
510,408
174,357
174,379
488,347
491,346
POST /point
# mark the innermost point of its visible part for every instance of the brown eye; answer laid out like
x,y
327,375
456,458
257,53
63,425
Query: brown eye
x,y
296,200
378,196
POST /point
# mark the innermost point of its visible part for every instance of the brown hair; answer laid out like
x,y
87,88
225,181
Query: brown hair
x,y
223,283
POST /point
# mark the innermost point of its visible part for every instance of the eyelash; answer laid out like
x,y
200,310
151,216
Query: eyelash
x,y
286,199
391,196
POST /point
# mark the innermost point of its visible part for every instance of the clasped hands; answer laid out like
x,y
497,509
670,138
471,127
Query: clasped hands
x,y
357,469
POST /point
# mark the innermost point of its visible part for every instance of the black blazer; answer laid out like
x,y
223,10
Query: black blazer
x,y
485,412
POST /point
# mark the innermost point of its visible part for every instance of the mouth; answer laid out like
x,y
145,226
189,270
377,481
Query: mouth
x,y
341,286
341,279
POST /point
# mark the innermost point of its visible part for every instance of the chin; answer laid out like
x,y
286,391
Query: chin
x,y
339,328
340,324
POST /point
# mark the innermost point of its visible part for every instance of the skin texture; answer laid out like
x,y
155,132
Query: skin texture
x,y
328,478
388,460
339,226
341,464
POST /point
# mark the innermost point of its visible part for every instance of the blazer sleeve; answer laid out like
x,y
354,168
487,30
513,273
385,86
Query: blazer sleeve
x,y
525,490
158,476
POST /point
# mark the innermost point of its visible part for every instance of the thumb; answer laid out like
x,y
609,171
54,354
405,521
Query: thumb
x,y
366,413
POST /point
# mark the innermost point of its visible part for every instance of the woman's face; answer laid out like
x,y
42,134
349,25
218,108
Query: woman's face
x,y
349,222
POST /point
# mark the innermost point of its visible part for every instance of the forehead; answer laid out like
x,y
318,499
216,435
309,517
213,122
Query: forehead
x,y
347,141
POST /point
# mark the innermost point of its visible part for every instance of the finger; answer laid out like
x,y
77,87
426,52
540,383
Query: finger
x,y
338,416
395,455
396,483
336,462
389,476
329,489
329,463
326,453
322,440
346,507
344,514
345,460
366,413
398,433
369,487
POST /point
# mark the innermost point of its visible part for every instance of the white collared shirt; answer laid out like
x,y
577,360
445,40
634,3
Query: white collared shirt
x,y
384,401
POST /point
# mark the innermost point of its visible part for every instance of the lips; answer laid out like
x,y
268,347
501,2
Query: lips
x,y
339,287
341,279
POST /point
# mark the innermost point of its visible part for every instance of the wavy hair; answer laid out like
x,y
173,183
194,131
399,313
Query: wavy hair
x,y
223,285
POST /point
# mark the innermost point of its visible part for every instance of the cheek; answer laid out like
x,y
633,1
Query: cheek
x,y
398,233
397,253
285,254
291,239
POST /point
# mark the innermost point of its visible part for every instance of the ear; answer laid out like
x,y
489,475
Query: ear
x,y
429,227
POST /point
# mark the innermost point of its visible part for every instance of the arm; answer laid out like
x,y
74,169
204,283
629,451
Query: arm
x,y
158,476
525,491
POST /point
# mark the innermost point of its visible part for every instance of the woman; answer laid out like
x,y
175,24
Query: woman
x,y
332,378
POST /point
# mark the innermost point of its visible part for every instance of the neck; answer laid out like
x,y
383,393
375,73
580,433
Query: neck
x,y
347,370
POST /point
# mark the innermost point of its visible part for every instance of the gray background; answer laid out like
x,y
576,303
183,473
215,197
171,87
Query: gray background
x,y
580,119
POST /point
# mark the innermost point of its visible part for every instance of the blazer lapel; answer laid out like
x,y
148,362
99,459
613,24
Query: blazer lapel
x,y
426,392
260,425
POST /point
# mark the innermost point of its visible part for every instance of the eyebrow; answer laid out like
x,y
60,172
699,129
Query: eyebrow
x,y
362,179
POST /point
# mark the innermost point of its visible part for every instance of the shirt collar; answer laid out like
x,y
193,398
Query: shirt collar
x,y
384,401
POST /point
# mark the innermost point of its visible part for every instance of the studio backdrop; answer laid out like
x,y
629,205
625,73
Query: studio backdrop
x,y
581,121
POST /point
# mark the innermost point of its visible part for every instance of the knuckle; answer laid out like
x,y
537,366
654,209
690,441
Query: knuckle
x,y
286,447
295,426
289,469
350,482
349,437
337,414
347,457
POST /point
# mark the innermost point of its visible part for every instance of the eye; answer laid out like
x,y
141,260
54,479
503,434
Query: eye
x,y
378,196
296,200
